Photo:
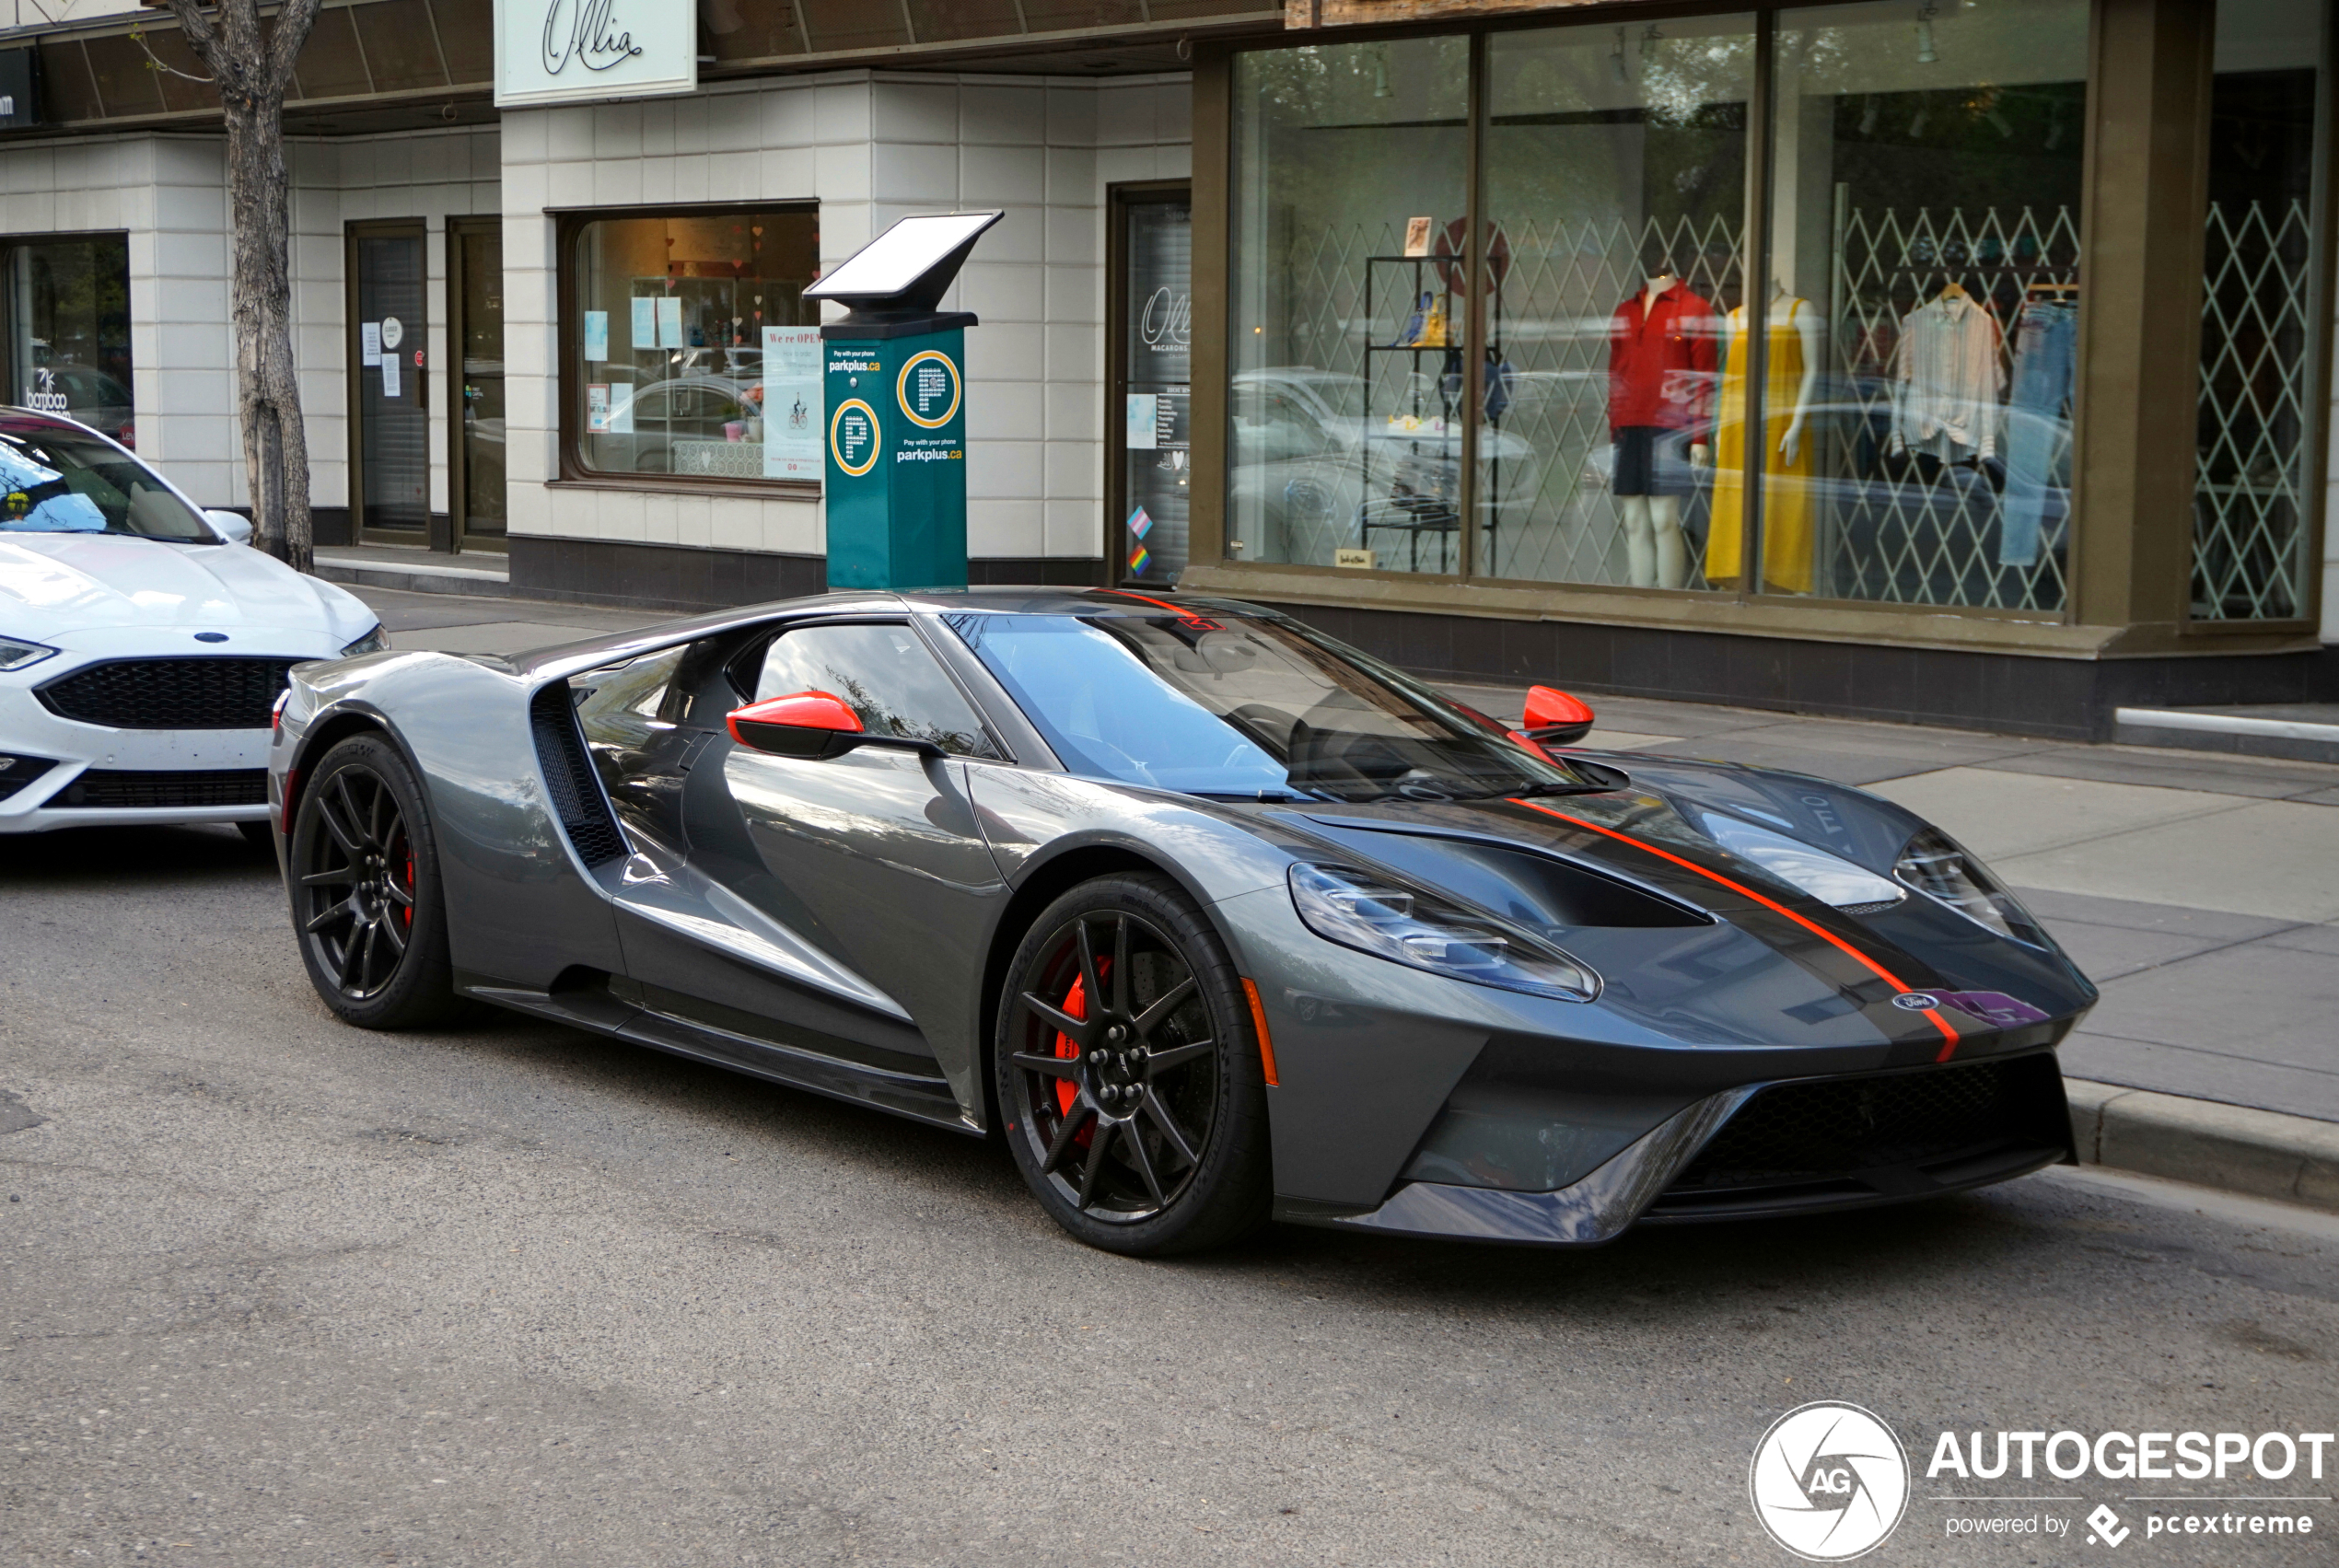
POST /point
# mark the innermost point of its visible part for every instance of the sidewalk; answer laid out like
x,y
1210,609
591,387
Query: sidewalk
x,y
2199,890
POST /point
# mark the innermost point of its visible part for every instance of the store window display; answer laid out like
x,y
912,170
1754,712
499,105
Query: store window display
x,y
1796,348
1660,361
1347,306
694,353
2256,492
1615,164
1924,246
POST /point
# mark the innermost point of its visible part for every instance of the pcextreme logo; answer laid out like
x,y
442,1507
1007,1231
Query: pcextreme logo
x,y
1828,1480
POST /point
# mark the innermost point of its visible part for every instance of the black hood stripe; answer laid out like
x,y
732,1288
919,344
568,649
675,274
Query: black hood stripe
x,y
1949,1032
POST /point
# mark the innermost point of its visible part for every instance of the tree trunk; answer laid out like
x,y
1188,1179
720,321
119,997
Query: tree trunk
x,y
260,303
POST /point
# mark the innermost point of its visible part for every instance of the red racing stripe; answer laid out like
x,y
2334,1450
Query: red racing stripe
x,y
1949,1033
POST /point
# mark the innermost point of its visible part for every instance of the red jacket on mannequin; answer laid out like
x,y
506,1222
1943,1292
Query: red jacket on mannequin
x,y
1662,360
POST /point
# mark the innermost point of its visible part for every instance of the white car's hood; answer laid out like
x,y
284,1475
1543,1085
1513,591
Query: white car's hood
x,y
53,584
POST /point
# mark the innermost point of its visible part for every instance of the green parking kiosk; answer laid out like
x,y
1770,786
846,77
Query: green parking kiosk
x,y
894,370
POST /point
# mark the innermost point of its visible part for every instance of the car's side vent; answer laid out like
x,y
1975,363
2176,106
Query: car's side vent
x,y
568,773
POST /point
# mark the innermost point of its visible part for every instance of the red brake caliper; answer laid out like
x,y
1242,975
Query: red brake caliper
x,y
1075,1002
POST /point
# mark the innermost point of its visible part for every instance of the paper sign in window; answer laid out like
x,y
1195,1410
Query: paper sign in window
x,y
369,343
596,336
793,398
644,321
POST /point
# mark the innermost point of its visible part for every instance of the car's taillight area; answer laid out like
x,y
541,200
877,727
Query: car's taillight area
x,y
276,713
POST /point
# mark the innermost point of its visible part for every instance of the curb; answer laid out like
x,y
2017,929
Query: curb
x,y
471,582
2263,1154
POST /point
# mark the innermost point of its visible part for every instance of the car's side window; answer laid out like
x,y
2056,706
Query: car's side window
x,y
617,704
885,674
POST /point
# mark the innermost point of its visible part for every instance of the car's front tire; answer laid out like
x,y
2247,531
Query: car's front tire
x,y
1128,1074
368,904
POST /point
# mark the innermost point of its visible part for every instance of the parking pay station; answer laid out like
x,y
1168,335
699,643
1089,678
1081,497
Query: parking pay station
x,y
895,376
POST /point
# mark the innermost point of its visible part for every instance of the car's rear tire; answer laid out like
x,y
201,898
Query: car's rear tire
x,y
368,909
1142,1128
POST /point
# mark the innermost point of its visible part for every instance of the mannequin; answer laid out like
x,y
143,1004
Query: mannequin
x,y
1798,343
1661,360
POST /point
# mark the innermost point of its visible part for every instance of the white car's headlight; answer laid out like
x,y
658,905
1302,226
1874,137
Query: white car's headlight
x,y
15,652
374,642
1425,933
1829,879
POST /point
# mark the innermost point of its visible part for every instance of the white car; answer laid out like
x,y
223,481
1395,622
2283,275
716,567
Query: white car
x,y
142,642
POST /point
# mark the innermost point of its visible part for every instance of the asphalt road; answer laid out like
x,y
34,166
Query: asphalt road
x,y
276,1291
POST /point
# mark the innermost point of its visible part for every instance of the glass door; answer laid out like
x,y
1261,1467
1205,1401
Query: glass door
x,y
475,485
1149,473
389,437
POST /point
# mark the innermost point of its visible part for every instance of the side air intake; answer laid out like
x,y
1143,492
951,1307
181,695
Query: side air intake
x,y
568,773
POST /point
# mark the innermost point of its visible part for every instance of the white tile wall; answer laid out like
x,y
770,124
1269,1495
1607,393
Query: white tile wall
x,y
171,194
868,146
870,149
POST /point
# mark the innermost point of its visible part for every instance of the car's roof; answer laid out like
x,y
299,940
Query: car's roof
x,y
569,658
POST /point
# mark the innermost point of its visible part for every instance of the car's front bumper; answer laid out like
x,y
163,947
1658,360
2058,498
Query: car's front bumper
x,y
99,776
1762,1151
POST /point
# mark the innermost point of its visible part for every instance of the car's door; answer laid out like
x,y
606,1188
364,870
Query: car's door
x,y
854,894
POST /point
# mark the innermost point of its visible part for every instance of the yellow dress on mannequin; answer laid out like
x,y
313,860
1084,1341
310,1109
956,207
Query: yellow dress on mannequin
x,y
1788,532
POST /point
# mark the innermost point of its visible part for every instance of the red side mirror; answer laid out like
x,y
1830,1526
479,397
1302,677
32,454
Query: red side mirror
x,y
805,724
1555,719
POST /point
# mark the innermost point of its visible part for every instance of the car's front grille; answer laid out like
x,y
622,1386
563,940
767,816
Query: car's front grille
x,y
171,693
136,787
1890,1133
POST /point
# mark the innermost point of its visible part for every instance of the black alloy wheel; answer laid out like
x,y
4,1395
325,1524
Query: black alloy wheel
x,y
1128,1073
364,891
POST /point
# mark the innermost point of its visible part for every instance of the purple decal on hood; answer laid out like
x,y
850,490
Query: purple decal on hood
x,y
1993,1007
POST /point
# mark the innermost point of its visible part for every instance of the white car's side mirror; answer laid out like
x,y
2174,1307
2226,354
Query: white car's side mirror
x,y
234,527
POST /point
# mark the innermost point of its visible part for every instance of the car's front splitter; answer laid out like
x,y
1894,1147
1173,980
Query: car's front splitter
x,y
1671,1174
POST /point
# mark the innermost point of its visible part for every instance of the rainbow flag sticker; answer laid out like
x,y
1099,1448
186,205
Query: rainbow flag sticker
x,y
1138,559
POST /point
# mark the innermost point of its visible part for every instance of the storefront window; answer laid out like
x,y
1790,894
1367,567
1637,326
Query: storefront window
x,y
1347,401
1615,181
1924,299
69,329
2253,499
695,353
1156,358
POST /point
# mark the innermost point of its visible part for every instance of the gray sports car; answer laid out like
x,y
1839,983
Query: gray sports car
x,y
1210,917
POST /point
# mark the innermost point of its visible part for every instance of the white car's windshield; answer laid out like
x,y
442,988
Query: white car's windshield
x,y
58,481
1245,707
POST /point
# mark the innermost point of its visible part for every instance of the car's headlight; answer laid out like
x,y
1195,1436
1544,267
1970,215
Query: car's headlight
x,y
1425,933
374,642
15,652
1934,866
1829,879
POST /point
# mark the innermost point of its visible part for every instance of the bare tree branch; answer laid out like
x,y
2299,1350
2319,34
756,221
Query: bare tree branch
x,y
156,62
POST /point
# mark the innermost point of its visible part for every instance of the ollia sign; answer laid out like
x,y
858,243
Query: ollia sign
x,y
575,51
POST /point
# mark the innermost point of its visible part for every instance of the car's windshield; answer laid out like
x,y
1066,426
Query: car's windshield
x,y
1244,707
56,481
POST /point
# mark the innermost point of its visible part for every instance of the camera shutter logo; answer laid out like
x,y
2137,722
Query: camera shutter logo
x,y
1829,1481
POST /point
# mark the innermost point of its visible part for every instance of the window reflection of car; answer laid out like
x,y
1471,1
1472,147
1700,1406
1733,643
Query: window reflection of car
x,y
1307,476
1891,524
90,396
683,408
